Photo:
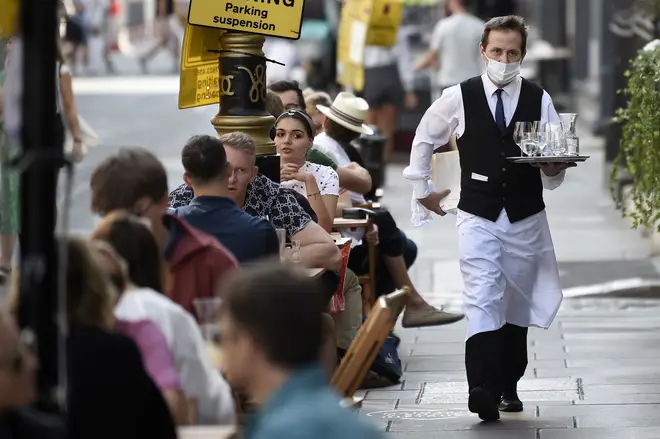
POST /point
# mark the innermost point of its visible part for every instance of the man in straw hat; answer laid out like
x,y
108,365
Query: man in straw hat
x,y
344,122
506,253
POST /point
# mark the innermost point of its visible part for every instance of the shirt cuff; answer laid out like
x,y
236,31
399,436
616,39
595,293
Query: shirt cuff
x,y
551,183
422,188
420,214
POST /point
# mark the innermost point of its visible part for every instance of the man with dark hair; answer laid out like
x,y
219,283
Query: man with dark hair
x,y
272,332
274,104
213,211
290,94
135,180
506,253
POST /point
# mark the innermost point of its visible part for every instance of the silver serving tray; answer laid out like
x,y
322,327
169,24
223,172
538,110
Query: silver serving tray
x,y
550,159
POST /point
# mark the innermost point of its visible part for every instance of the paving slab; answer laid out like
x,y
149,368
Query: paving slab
x,y
602,433
623,415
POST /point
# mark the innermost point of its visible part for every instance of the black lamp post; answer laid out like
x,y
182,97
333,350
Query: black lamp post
x,y
42,156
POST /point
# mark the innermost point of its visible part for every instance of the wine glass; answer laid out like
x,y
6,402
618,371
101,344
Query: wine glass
x,y
525,135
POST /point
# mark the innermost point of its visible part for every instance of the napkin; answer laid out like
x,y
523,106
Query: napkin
x,y
447,175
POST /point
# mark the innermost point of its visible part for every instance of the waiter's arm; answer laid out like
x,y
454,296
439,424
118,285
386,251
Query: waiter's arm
x,y
549,114
438,124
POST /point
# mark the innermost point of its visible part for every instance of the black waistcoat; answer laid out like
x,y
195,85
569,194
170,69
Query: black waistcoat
x,y
483,150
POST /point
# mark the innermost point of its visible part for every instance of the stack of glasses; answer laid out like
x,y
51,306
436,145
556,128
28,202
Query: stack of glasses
x,y
549,139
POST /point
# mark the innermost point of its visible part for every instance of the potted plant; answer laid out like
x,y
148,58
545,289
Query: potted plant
x,y
639,155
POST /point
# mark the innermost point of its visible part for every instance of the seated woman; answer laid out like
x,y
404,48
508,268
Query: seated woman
x,y
318,183
156,354
203,385
110,394
294,137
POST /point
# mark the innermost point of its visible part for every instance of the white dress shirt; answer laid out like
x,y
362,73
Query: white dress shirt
x,y
200,380
446,118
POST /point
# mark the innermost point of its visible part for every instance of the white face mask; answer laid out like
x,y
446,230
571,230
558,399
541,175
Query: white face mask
x,y
500,73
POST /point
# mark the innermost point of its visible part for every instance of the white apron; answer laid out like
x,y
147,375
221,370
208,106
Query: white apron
x,y
510,272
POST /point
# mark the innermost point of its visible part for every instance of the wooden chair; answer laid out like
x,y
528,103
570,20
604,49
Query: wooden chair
x,y
368,280
370,338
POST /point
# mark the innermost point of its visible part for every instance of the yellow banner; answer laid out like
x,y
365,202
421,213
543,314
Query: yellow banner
x,y
384,21
364,22
275,18
199,78
8,17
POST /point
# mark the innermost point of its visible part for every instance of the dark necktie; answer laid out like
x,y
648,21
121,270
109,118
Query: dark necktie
x,y
499,111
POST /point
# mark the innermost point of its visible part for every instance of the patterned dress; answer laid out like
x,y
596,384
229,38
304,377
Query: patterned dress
x,y
9,183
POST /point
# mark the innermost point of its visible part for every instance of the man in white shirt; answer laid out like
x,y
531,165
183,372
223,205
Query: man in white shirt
x,y
506,253
454,48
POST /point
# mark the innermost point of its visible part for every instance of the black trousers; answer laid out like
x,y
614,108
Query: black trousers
x,y
392,242
497,360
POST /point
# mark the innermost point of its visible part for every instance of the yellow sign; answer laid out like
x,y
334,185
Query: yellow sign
x,y
384,21
199,79
8,17
276,18
364,23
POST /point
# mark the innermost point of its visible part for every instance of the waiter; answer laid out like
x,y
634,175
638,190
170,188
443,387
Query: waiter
x,y
507,258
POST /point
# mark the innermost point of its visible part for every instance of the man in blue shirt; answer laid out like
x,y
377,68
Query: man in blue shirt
x,y
271,330
212,211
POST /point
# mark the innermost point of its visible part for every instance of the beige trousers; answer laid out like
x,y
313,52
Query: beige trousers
x,y
348,322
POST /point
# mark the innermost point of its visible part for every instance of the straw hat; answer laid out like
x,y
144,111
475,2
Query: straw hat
x,y
348,111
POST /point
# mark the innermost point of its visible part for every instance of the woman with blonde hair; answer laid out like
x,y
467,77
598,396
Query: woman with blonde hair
x,y
109,390
156,354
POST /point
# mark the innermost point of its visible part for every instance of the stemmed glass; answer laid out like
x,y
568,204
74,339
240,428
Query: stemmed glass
x,y
525,134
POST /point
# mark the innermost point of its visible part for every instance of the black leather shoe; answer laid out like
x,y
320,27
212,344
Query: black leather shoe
x,y
510,403
483,404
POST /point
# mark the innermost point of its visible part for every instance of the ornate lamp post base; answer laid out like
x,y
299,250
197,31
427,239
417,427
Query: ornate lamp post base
x,y
243,97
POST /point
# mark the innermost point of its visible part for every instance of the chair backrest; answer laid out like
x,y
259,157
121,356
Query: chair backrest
x,y
370,338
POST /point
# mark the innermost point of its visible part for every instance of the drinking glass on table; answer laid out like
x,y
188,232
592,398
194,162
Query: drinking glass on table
x,y
281,237
292,255
208,314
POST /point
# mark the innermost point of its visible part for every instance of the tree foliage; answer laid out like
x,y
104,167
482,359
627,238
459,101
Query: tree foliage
x,y
639,154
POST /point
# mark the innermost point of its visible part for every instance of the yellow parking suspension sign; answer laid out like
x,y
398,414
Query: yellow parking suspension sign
x,y
199,78
276,18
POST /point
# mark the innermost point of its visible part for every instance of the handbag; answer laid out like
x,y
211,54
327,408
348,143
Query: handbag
x,y
88,137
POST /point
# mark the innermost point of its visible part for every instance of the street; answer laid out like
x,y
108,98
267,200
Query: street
x,y
592,375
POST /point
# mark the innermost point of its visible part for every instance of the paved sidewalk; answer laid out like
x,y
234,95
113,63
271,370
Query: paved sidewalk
x,y
593,375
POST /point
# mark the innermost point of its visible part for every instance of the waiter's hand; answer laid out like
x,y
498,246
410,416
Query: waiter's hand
x,y
552,169
432,202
